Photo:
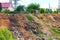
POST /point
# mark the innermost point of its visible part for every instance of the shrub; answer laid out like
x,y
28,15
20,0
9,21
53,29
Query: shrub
x,y
58,38
30,18
50,39
5,34
55,31
7,11
55,12
45,20
48,10
42,10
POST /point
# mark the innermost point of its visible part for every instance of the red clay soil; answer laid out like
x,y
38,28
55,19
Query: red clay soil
x,y
4,21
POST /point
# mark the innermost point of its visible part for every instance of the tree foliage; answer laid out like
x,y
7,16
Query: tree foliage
x,y
42,10
32,7
0,7
19,8
48,10
7,11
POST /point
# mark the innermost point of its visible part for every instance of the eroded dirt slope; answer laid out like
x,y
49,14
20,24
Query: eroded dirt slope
x,y
32,26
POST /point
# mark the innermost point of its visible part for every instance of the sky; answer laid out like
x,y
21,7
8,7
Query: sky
x,y
43,3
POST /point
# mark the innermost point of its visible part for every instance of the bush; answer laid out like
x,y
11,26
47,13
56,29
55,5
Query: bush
x,y
55,12
19,8
0,7
32,7
50,39
55,31
30,18
45,20
7,11
58,38
48,10
42,10
5,34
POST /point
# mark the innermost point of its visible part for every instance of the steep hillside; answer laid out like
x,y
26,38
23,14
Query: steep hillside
x,y
32,26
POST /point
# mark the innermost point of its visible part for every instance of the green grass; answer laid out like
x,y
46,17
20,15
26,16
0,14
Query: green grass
x,y
45,20
50,39
30,18
58,38
38,16
55,31
41,33
5,34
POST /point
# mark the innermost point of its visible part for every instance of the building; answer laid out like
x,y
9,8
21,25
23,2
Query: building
x,y
5,6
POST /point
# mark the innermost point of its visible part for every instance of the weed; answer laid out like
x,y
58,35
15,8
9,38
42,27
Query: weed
x,y
50,39
30,18
55,31
5,34
45,20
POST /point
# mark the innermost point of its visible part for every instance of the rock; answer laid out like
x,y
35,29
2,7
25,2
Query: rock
x,y
42,39
38,39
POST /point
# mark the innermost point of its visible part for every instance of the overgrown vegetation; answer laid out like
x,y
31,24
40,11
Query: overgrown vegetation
x,y
32,7
45,20
30,18
41,33
0,7
7,11
58,38
50,39
42,10
19,8
5,34
55,31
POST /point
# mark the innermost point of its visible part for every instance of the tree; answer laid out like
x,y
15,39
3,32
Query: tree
x,y
48,10
19,8
42,10
0,7
58,10
32,7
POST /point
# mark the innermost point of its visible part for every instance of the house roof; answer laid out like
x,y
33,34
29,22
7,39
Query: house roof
x,y
5,5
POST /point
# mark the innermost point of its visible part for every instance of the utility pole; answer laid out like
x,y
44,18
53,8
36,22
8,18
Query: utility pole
x,y
58,6
49,5
14,3
49,8
11,3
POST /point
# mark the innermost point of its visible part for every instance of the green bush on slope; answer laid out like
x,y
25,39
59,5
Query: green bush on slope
x,y
30,18
58,38
55,31
7,11
50,39
5,34
45,20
